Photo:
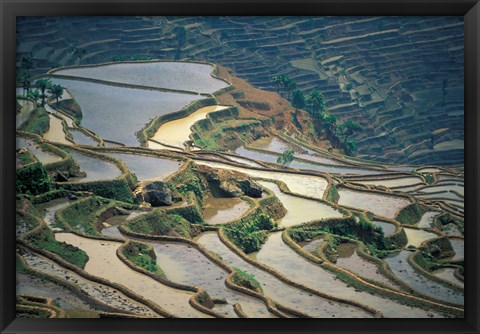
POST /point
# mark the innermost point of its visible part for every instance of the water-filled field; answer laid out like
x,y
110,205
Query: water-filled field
x,y
118,113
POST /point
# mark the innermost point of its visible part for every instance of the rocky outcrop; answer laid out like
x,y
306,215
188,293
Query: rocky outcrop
x,y
230,183
156,193
440,248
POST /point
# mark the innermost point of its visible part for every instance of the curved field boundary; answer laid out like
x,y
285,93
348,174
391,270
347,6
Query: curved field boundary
x,y
30,307
124,85
49,147
273,307
73,288
227,154
287,280
57,259
351,160
411,199
68,135
152,127
213,74
376,288
315,163
418,267
194,300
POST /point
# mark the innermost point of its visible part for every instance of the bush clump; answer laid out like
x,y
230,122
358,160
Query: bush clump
x,y
246,280
160,223
44,239
143,256
33,180
249,234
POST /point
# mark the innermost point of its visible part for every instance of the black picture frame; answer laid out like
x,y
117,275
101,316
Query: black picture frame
x,y
9,9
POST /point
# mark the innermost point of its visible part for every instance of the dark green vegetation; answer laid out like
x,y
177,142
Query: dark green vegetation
x,y
33,179
83,215
363,230
447,219
250,233
143,256
286,158
160,223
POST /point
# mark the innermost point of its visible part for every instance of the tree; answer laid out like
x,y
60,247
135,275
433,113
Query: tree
x,y
286,157
316,103
27,64
43,84
56,91
181,33
298,99
80,53
34,95
290,85
26,82
351,127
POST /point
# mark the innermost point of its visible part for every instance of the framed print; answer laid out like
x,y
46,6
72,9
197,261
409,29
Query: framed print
x,y
239,167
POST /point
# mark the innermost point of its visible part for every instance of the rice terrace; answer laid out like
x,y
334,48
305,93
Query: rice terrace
x,y
240,167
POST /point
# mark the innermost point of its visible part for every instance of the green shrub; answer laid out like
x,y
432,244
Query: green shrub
x,y
160,223
143,256
246,280
33,179
37,123
249,234
44,239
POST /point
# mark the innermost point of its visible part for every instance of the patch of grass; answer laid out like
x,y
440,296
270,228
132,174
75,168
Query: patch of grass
x,y
37,123
250,233
160,223
246,280
44,239
144,257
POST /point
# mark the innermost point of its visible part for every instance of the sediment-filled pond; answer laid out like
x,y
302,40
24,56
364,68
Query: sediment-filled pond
x,y
177,132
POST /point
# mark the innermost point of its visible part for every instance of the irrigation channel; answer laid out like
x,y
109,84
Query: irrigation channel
x,y
296,278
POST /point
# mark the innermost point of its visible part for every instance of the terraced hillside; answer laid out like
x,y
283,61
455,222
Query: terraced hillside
x,y
401,78
176,189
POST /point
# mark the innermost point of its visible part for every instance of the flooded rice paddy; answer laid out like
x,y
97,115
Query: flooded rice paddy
x,y
349,259
96,169
278,290
381,205
388,228
103,262
148,167
186,265
55,133
193,77
276,254
43,156
128,109
399,265
105,294
79,137
299,164
417,237
300,210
